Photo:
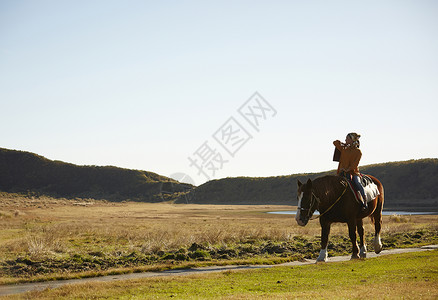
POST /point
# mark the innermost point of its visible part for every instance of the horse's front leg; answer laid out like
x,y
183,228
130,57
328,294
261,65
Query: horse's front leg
x,y
362,244
325,231
352,233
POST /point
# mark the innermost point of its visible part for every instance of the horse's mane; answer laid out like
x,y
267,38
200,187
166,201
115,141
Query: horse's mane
x,y
329,186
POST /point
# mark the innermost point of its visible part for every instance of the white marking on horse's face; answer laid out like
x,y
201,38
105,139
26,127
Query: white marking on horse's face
x,y
300,197
297,216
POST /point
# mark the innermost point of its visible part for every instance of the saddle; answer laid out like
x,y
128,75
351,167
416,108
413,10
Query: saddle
x,y
365,180
370,188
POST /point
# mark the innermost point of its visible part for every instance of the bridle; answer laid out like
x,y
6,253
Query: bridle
x,y
313,199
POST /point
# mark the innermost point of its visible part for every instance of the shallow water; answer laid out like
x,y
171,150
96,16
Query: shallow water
x,y
385,213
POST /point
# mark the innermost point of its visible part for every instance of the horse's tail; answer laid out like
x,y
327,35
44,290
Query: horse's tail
x,y
376,216
373,220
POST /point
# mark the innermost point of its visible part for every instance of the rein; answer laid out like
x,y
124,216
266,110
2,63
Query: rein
x,y
331,206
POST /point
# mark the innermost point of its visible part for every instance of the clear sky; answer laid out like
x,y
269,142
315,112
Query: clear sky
x,y
149,84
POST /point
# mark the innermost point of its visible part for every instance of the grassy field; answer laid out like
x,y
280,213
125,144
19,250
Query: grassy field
x,y
49,239
404,276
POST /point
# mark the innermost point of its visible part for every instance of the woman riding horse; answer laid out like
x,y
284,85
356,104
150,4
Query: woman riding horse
x,y
349,162
336,203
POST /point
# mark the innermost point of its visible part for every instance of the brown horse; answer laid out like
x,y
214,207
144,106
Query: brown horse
x,y
335,201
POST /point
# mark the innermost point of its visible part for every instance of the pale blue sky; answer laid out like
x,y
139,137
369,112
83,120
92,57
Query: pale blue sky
x,y
143,84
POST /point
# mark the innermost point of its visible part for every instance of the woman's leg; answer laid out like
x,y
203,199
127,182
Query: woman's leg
x,y
359,187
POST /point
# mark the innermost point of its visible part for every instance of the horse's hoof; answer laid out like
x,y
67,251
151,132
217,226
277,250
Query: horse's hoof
x,y
378,248
377,244
354,256
321,259
322,256
363,252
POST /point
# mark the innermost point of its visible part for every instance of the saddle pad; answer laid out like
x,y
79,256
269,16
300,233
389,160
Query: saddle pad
x,y
371,191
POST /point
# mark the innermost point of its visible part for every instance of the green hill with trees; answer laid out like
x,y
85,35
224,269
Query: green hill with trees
x,y
32,174
409,184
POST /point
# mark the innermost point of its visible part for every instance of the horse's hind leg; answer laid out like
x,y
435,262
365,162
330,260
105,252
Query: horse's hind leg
x,y
377,219
352,233
362,244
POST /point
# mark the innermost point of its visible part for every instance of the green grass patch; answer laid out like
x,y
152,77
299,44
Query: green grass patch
x,y
410,275
98,263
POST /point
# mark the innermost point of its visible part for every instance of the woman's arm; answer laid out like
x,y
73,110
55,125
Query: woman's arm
x,y
338,145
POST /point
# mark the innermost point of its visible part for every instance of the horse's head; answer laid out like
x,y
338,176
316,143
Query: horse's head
x,y
306,203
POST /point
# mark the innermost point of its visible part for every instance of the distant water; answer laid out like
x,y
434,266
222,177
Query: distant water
x,y
385,213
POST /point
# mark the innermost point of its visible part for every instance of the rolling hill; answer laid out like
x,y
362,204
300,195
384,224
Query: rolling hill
x,y
409,184
29,173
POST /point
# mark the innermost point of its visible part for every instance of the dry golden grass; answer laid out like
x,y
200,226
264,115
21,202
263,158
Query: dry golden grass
x,y
60,228
51,226
150,227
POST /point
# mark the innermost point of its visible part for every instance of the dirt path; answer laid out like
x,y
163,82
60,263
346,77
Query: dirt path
x,y
27,287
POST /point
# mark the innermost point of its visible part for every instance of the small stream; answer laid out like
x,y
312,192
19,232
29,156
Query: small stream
x,y
385,213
